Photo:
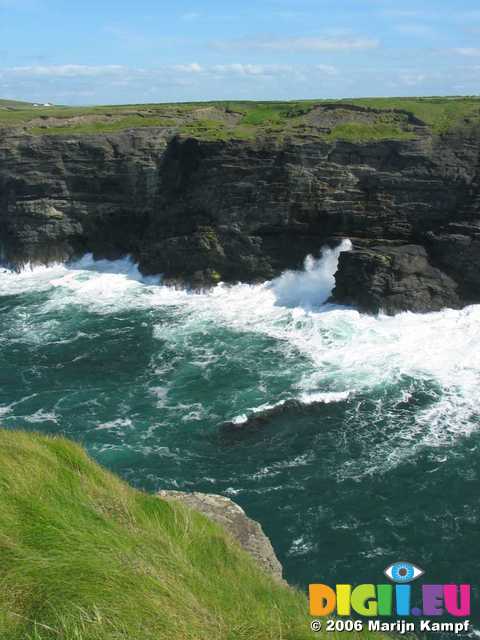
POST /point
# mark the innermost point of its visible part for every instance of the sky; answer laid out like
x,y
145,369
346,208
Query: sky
x,y
114,52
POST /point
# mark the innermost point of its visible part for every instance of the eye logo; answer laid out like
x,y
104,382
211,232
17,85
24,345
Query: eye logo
x,y
403,572
372,600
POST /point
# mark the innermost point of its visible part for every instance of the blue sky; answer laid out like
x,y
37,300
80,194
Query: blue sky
x,y
145,51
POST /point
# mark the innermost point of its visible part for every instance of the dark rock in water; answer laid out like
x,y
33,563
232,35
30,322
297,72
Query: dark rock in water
x,y
391,279
259,419
199,212
247,532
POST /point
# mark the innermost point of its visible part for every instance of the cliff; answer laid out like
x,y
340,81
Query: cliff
x,y
199,210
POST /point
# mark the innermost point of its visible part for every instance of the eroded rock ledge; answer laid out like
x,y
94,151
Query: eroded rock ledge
x,y
247,532
199,211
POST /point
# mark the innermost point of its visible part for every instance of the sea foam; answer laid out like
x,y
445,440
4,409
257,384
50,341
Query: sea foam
x,y
312,286
347,354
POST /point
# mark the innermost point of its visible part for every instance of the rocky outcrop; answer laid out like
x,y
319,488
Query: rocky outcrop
x,y
200,211
394,278
456,248
248,533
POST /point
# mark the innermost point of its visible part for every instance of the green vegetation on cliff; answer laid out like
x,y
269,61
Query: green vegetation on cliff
x,y
15,104
356,120
85,557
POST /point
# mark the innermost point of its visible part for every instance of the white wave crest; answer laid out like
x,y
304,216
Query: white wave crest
x,y
123,267
313,286
304,398
345,352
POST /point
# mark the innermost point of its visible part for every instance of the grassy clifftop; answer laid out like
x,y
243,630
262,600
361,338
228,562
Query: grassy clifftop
x,y
355,120
85,557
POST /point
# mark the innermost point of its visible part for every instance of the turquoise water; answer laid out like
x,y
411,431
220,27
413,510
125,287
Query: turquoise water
x,y
354,440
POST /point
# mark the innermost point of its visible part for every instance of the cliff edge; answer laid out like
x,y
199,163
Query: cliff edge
x,y
247,532
83,556
202,210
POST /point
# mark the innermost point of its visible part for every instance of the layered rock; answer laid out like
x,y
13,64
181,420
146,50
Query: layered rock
x,y
390,279
200,211
62,196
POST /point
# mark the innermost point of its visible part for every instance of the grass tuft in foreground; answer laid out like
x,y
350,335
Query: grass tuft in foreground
x,y
85,557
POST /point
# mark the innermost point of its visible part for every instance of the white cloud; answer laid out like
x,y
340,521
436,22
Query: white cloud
x,y
327,69
412,79
299,44
67,70
75,83
471,52
194,67
253,69
416,30
107,84
120,75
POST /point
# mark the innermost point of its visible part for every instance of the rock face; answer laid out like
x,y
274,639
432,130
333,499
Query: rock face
x,y
248,533
200,211
393,278
60,197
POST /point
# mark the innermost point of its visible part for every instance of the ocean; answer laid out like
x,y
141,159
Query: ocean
x,y
353,439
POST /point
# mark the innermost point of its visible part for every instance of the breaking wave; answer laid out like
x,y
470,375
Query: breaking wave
x,y
265,411
334,352
313,286
346,427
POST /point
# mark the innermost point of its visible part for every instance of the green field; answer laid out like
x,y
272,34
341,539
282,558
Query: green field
x,y
377,118
15,104
85,557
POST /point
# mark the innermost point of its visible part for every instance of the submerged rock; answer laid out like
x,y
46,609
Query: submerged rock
x,y
247,532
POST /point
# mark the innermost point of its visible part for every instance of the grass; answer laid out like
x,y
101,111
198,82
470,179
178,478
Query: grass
x,y
123,123
265,113
83,556
212,130
14,104
359,132
441,114
248,120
